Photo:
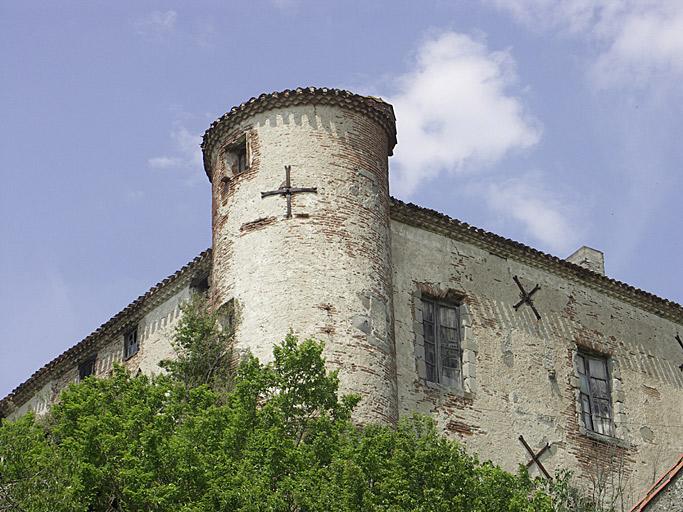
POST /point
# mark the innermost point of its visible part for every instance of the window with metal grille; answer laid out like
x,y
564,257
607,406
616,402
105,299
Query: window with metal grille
x,y
596,402
86,368
441,332
130,343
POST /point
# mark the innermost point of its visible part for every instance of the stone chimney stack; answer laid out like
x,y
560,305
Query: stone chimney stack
x,y
589,258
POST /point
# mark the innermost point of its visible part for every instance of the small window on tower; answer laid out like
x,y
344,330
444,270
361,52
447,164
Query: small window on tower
x,y
130,343
87,368
236,157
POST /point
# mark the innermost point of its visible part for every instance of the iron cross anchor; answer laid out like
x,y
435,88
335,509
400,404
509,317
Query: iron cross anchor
x,y
288,191
525,298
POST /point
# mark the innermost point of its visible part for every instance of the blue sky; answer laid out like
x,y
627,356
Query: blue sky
x,y
557,124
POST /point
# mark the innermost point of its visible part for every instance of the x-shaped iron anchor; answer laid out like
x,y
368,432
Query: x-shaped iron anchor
x,y
536,457
525,298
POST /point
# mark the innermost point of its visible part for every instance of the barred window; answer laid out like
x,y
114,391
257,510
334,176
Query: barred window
x,y
596,402
441,331
130,343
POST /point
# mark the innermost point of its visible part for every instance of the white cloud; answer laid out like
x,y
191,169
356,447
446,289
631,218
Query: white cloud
x,y
157,24
454,112
188,154
544,214
637,42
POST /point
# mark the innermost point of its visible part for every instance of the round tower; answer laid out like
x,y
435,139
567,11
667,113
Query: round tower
x,y
301,235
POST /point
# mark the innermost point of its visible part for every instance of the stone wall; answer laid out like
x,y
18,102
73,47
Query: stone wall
x,y
325,272
519,373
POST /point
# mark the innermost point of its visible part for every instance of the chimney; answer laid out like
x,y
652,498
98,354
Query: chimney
x,y
588,258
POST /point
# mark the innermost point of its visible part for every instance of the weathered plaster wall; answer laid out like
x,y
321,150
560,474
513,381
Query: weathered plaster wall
x,y
523,377
155,330
326,271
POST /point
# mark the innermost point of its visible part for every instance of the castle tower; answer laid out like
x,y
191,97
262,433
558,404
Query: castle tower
x,y
301,235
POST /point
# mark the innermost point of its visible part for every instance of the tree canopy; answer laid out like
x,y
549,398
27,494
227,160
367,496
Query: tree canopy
x,y
278,437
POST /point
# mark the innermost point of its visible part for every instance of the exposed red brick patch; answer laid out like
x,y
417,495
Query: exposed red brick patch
x,y
248,227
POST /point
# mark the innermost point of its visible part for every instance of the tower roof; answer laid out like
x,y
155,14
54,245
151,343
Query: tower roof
x,y
374,107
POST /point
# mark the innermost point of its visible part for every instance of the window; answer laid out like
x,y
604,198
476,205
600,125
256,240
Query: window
x,y
130,343
441,331
86,368
596,404
200,285
236,160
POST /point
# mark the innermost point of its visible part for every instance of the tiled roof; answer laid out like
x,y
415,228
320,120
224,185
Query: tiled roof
x,y
18,395
432,220
376,108
659,486
406,213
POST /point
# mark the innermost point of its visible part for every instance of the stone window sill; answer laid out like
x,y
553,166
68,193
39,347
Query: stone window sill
x,y
457,391
602,438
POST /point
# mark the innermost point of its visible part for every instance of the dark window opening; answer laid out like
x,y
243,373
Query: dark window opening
x,y
596,402
200,285
236,158
441,331
86,368
131,345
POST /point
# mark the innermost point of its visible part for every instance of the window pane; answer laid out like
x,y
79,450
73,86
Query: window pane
x,y
450,377
602,425
430,353
428,311
583,383
430,361
602,408
585,404
588,421
599,388
448,318
581,364
428,332
431,372
597,368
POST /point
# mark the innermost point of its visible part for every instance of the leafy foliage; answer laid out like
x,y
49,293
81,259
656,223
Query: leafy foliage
x,y
202,343
279,438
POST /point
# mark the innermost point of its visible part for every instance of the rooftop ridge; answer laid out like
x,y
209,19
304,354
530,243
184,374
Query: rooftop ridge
x,y
410,214
91,339
427,218
375,107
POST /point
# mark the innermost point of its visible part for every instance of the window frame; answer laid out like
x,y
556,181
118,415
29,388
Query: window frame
x,y
589,394
133,332
436,376
237,154
87,368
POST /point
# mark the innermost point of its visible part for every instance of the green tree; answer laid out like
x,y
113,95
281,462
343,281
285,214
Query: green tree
x,y
278,438
203,345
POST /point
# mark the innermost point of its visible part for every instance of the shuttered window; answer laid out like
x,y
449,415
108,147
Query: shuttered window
x,y
441,332
596,402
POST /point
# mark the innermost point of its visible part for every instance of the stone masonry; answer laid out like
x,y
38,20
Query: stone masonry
x,y
357,269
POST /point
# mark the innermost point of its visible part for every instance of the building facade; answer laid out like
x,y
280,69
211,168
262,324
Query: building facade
x,y
524,357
